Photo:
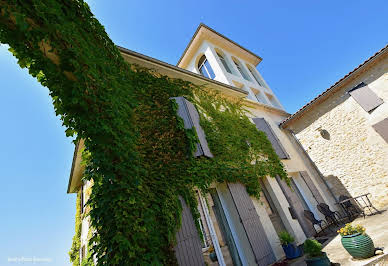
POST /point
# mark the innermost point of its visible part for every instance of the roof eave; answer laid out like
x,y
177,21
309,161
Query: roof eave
x,y
202,25
195,78
76,169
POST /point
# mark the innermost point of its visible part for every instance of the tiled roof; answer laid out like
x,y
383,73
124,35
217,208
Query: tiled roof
x,y
311,103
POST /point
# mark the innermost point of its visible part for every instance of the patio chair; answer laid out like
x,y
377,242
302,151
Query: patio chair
x,y
330,215
310,216
349,207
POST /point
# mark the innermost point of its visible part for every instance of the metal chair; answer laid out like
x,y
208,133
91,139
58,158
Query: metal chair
x,y
330,215
349,208
310,216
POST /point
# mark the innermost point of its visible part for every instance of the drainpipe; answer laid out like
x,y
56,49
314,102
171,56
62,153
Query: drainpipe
x,y
313,164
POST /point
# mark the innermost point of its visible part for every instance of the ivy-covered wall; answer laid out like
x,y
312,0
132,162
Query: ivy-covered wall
x,y
139,155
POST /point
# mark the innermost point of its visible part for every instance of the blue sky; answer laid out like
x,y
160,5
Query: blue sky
x,y
306,46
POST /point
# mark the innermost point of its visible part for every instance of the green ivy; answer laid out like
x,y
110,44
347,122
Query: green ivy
x,y
139,154
76,245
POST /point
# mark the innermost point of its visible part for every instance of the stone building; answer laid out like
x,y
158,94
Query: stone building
x,y
345,131
241,229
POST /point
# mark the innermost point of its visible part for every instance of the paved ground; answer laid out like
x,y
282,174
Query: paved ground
x,y
376,227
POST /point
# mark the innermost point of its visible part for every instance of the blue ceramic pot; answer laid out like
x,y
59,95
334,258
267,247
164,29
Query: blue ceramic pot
x,y
292,251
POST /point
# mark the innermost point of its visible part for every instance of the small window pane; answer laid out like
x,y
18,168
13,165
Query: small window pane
x,y
242,72
204,72
205,68
209,70
255,77
260,97
224,63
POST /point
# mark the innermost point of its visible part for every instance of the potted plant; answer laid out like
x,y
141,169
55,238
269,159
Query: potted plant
x,y
212,254
289,247
356,242
314,254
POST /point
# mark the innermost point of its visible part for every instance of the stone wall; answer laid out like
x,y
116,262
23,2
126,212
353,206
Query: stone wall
x,y
352,157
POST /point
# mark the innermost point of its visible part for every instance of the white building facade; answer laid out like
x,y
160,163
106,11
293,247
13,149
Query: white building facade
x,y
213,60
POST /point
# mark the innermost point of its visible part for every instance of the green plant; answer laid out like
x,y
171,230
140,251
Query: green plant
x,y
312,248
76,245
136,150
350,229
285,238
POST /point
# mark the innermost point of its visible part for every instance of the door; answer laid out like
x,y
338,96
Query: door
x,y
266,200
225,229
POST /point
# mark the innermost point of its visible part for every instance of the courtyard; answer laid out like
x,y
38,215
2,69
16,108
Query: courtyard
x,y
376,227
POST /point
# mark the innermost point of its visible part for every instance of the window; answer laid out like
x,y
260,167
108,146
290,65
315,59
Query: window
x,y
82,198
224,63
255,76
262,125
260,97
83,253
365,97
205,68
241,70
273,101
382,128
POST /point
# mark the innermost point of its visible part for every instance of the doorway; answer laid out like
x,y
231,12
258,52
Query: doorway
x,y
266,200
231,226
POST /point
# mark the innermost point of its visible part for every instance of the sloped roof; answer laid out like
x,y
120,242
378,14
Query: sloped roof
x,y
314,102
204,28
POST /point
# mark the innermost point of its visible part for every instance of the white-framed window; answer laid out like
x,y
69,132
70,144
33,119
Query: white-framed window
x,y
255,76
273,101
204,68
241,69
224,62
261,98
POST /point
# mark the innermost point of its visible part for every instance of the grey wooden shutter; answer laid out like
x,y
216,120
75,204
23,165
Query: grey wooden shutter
x,y
382,128
190,116
262,125
188,249
365,97
310,184
297,207
251,222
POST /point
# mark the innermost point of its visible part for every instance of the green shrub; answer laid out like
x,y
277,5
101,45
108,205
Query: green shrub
x,y
312,248
286,238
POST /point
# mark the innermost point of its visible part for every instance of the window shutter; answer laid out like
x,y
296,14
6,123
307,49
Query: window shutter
x,y
188,249
365,97
310,184
382,128
262,125
190,116
297,207
251,222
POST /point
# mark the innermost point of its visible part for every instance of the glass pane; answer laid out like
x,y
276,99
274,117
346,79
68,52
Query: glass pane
x,y
201,60
223,61
255,76
209,69
243,74
203,71
260,98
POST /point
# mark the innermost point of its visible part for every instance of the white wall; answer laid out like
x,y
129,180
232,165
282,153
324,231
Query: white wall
x,y
209,50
